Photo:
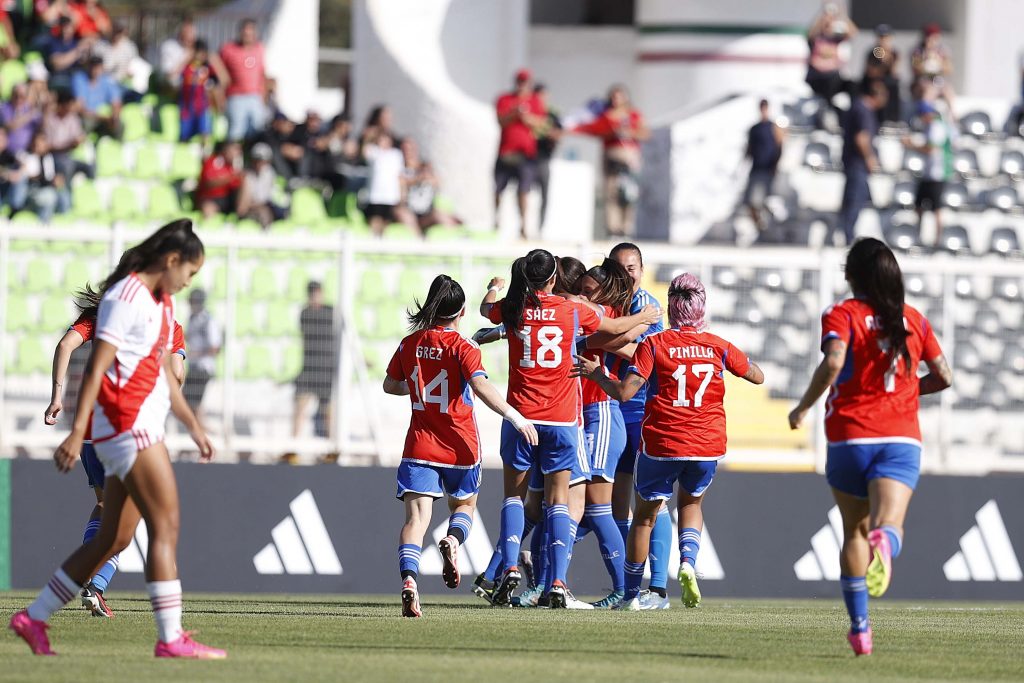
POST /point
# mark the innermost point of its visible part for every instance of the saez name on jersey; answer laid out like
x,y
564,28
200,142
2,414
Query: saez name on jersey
x,y
690,352
533,314
429,352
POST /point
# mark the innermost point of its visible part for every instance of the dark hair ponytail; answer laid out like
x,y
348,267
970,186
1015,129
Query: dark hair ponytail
x,y
875,275
616,286
175,237
445,300
529,273
570,271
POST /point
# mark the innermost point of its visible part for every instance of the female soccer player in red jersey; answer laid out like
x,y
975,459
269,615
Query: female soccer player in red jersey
x,y
543,328
126,380
80,333
873,344
437,368
683,435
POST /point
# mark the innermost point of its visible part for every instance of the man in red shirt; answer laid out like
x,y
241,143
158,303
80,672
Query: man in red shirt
x,y
247,82
219,180
520,114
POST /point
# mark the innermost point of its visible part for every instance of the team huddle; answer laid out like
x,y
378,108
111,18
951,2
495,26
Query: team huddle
x,y
605,406
607,416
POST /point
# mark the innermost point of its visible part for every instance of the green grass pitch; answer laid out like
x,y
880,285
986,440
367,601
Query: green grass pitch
x,y
352,638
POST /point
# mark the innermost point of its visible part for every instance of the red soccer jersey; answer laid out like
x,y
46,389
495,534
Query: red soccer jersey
x,y
516,136
592,391
437,365
685,412
540,359
873,399
217,170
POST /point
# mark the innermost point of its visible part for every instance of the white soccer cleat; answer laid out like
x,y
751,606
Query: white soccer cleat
x,y
650,600
572,603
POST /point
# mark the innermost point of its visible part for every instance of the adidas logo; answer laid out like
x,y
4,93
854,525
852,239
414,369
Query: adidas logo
x,y
511,539
821,562
986,553
474,554
708,564
300,543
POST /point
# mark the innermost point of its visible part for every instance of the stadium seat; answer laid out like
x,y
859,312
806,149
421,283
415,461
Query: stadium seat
x,y
445,233
769,278
25,217
291,363
186,162
220,127
337,205
76,275
298,279
1012,163
903,195
795,313
248,225
12,73
307,207
818,157
964,286
955,195
39,276
124,203
109,158
246,323
163,203
399,232
914,161
1003,198
987,321
170,122
259,363
373,289
1008,288
20,316
1004,241
412,284
282,319
134,122
976,124
56,313
147,163
264,283
903,236
954,239
724,277
965,162
85,200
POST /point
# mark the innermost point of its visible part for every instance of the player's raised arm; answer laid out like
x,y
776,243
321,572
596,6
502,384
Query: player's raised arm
x,y
493,288
824,375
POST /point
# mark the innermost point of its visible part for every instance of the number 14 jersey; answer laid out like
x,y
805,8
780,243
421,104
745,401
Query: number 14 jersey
x,y
540,359
437,364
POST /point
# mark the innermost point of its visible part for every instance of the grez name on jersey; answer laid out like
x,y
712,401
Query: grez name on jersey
x,y
539,315
679,352
429,352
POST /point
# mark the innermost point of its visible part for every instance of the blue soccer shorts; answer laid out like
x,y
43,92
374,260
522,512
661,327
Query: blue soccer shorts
x,y
850,466
92,465
605,433
436,481
559,448
655,479
627,461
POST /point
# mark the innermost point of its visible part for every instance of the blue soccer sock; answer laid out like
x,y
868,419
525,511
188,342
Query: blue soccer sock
x,y
459,526
895,539
90,530
689,545
855,595
623,525
528,526
634,576
409,560
105,574
613,550
661,546
574,529
560,525
539,551
494,566
583,528
513,521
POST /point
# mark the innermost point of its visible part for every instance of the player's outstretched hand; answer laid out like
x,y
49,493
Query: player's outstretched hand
x,y
67,453
585,367
796,417
486,335
52,410
651,314
496,283
206,450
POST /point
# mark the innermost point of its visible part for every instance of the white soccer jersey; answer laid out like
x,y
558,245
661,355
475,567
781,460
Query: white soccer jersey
x,y
134,396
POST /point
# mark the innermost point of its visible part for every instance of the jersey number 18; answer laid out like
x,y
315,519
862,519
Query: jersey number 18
x,y
549,354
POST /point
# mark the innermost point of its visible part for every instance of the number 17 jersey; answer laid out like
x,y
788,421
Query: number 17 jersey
x,y
437,364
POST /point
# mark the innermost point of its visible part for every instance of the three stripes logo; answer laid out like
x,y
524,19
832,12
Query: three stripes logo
x,y
986,553
821,562
301,544
474,554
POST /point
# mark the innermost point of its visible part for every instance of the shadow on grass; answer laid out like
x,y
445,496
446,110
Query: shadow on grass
x,y
477,649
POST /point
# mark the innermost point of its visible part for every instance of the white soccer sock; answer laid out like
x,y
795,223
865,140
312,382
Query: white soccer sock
x,y
58,592
165,596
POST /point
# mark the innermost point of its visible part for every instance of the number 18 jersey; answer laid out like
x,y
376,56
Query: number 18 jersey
x,y
540,359
685,413
437,364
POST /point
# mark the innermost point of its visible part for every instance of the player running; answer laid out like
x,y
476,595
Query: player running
x,y
543,329
683,435
436,367
125,379
873,344
80,333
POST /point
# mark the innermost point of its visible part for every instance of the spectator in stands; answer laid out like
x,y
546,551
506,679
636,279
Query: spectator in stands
x,y
387,186
380,120
882,64
47,189
938,168
287,155
99,98
64,131
198,80
319,362
621,129
63,53
859,157
90,18
176,53
203,339
220,180
39,85
247,85
764,149
21,118
520,115
120,57
932,63
13,184
343,155
311,138
421,189
547,140
831,28
9,48
256,196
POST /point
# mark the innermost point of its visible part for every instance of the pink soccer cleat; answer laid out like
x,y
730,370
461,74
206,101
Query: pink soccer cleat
x,y
879,572
186,648
411,599
860,642
32,632
449,548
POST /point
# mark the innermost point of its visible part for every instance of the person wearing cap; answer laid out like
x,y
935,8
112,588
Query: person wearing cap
x,y
203,339
830,29
255,198
520,114
938,168
882,65
319,362
99,98
859,157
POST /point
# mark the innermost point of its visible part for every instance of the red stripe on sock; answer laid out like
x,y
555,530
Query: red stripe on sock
x,y
60,590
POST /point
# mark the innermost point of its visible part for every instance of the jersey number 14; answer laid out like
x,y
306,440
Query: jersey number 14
x,y
435,392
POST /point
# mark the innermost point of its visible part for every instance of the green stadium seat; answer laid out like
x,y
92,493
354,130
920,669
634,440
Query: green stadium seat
x,y
259,363
76,275
163,203
85,200
170,122
220,127
374,360
263,284
20,316
366,318
186,162
282,319
307,207
30,57
246,323
57,313
33,356
12,72
372,288
248,225
39,276
298,278
330,285
134,122
220,283
444,203
147,163
485,235
337,206
391,323
291,364
150,100
109,158
445,233
25,217
124,204
399,232
412,284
